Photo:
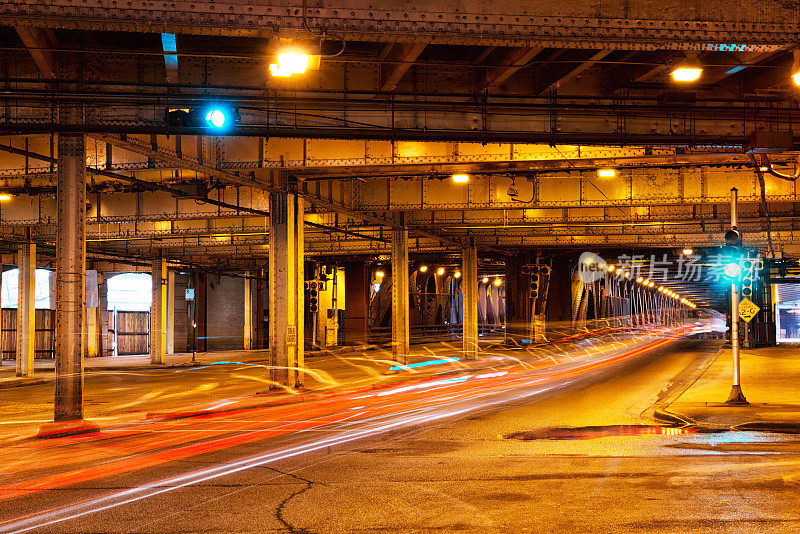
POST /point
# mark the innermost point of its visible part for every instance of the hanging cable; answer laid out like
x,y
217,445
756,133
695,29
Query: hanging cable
x,y
322,34
766,166
764,203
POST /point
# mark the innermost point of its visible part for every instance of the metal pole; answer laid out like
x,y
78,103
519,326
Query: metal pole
x,y
736,397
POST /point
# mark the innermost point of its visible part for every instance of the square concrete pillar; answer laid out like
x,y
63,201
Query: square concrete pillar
x,y
248,311
158,313
26,309
259,326
286,292
400,296
469,288
92,326
102,315
170,312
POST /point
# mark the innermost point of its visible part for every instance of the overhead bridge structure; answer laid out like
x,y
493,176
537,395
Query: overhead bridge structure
x,y
439,155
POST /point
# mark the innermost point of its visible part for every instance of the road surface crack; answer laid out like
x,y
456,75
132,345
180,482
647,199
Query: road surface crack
x,y
279,511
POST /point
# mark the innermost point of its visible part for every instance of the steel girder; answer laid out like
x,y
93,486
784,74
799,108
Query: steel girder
x,y
677,24
429,117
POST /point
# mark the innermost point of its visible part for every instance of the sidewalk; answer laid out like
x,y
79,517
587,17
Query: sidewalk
x,y
770,382
44,370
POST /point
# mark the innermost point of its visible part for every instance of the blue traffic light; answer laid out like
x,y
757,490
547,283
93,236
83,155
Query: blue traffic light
x,y
218,117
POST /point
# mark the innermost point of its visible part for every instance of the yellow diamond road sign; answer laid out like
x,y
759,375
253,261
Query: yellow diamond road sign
x,y
748,310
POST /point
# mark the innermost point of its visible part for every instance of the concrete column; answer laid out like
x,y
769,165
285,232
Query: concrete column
x,y
286,292
26,311
158,313
469,287
400,296
259,327
170,312
91,338
70,273
248,311
102,314
356,298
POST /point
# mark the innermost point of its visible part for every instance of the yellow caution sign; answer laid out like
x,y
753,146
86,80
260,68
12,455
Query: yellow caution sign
x,y
748,309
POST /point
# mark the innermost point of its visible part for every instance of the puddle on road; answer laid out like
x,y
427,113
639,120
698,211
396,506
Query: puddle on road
x,y
592,432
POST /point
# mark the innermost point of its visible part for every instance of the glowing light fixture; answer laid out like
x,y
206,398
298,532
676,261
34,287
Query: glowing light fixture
x,y
611,268
627,275
688,70
606,173
461,178
4,197
379,274
796,67
457,274
440,271
216,117
497,281
640,280
293,62
732,269
276,71
485,280
423,268
688,252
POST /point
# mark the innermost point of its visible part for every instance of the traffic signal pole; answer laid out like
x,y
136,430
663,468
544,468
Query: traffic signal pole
x,y
736,397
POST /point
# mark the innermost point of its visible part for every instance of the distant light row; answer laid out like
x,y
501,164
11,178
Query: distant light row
x,y
441,270
643,281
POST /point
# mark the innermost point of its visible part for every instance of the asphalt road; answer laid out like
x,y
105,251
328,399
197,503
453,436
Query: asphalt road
x,y
574,454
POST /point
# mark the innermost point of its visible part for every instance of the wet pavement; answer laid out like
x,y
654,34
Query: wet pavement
x,y
580,456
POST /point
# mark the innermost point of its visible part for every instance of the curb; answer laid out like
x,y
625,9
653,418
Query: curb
x,y
784,427
662,416
60,429
21,382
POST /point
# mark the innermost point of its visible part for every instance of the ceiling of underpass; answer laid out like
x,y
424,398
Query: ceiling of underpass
x,y
530,101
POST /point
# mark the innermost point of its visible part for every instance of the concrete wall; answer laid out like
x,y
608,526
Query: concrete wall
x,y
225,313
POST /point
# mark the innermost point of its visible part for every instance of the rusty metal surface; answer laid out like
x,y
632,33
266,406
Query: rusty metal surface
x,y
645,25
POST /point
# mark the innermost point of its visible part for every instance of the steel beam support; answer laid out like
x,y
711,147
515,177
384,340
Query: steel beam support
x,y
752,26
158,313
575,72
286,293
26,321
469,288
70,276
400,296
407,55
516,60
40,42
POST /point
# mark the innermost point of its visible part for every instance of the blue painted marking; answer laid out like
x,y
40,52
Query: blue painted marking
x,y
423,364
169,44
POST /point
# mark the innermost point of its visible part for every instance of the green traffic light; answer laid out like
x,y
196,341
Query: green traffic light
x,y
732,269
